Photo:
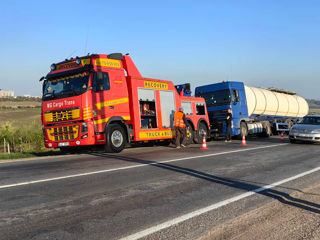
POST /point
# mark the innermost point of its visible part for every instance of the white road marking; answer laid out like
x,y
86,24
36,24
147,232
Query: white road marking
x,y
134,166
201,211
36,158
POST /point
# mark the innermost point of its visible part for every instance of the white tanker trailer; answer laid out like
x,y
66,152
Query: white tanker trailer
x,y
255,110
274,102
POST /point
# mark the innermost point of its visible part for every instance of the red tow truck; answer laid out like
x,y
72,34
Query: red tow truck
x,y
103,99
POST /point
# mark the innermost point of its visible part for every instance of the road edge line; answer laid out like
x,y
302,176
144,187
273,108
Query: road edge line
x,y
204,210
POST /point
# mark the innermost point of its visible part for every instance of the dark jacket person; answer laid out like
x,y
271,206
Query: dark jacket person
x,y
228,125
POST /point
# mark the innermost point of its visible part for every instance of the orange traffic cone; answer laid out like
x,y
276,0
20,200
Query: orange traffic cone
x,y
244,140
282,137
204,144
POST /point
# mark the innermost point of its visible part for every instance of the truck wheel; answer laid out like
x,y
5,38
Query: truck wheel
x,y
115,138
243,130
199,135
190,135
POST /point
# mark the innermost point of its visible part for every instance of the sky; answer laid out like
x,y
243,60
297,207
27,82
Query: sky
x,y
263,43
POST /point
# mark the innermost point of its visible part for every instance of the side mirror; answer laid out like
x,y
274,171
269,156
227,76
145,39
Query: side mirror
x,y
43,85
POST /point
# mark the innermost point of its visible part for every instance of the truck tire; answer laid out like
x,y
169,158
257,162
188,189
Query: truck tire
x,y
115,138
243,130
202,128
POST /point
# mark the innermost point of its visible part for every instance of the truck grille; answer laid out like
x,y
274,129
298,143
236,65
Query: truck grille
x,y
219,114
217,125
62,115
63,133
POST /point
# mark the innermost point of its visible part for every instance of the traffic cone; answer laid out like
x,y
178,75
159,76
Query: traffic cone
x,y
244,140
282,137
204,144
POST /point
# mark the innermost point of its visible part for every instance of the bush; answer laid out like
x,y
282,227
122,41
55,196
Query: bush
x,y
27,138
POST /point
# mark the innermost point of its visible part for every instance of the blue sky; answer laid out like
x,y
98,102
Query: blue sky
x,y
262,43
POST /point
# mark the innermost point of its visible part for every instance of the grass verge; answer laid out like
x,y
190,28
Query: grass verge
x,y
6,156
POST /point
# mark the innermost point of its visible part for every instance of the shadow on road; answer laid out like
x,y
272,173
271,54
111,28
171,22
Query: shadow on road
x,y
233,183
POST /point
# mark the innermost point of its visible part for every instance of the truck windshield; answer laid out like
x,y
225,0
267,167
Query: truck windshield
x,y
217,98
65,86
310,120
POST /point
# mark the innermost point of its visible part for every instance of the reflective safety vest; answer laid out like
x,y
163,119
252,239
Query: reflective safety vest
x,y
178,120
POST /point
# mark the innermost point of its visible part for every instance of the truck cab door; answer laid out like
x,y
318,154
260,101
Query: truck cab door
x,y
235,96
100,89
236,110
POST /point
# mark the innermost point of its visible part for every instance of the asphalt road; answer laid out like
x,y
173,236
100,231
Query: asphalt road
x,y
151,192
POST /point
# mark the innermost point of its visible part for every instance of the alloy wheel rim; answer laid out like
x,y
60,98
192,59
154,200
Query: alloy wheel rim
x,y
116,138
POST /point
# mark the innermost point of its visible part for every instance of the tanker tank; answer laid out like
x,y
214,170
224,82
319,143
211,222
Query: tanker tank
x,y
262,101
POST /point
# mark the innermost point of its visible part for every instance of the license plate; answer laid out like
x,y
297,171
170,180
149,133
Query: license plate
x,y
63,144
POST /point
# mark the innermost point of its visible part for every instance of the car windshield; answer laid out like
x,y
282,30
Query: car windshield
x,y
65,86
310,120
217,98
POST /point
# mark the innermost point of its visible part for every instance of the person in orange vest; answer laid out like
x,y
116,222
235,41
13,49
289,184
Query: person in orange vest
x,y
180,128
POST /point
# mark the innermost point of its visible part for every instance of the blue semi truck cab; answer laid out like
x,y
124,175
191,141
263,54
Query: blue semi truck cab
x,y
221,96
258,111
266,112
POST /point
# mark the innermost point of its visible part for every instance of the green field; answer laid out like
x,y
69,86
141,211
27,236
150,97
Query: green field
x,y
19,104
20,128
20,111
314,111
20,116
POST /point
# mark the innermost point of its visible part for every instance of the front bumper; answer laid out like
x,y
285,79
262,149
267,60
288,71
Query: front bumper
x,y
308,137
71,143
69,135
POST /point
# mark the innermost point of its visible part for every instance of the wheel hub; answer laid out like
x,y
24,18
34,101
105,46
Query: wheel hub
x,y
116,138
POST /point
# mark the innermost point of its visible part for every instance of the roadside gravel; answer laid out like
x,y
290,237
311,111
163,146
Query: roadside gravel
x,y
276,220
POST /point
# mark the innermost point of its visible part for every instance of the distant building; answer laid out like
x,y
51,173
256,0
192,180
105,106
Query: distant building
x,y
30,96
4,93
